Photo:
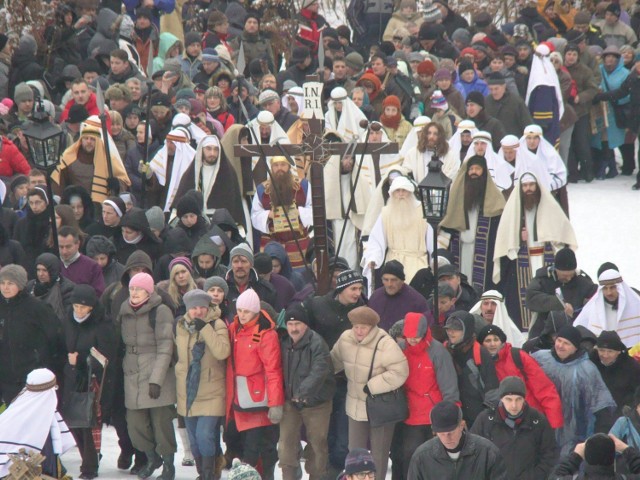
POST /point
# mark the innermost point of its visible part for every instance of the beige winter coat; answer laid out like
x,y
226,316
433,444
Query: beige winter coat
x,y
390,369
210,399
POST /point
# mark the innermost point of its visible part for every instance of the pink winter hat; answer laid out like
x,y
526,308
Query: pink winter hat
x,y
142,280
248,300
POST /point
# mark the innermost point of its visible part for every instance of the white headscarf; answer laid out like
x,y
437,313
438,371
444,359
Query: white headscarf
x,y
412,138
594,318
31,418
277,132
183,120
546,163
298,95
455,143
544,73
348,126
501,318
499,169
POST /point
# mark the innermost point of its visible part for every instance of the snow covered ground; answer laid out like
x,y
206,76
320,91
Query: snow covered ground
x,y
606,217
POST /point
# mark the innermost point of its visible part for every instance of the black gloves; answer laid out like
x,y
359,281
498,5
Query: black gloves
x,y
199,323
154,391
366,389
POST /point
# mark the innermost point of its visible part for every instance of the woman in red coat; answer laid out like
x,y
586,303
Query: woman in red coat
x,y
541,392
255,392
12,161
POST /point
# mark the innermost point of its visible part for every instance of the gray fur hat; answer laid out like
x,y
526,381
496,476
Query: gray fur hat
x,y
14,273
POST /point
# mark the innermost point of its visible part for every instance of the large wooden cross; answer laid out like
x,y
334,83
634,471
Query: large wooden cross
x,y
319,151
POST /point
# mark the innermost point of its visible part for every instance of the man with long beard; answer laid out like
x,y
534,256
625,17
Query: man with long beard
x,y
469,227
281,211
401,233
532,227
211,174
431,143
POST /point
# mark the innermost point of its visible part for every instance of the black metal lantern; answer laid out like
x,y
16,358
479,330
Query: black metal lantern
x,y
44,140
434,192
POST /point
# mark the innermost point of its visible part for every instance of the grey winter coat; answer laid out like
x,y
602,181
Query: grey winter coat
x,y
479,460
148,354
511,111
307,369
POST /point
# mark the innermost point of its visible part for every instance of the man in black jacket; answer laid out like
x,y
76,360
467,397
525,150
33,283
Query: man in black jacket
x,y
328,317
523,434
309,386
242,276
477,378
575,288
599,454
454,452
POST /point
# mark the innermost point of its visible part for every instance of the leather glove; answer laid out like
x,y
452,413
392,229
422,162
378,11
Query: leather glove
x,y
144,169
597,98
366,389
275,414
299,404
199,323
154,391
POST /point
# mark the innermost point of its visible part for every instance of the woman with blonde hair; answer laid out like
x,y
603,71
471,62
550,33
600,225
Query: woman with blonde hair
x,y
216,105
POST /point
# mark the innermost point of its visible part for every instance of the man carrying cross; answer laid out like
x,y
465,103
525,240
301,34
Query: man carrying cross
x,y
283,192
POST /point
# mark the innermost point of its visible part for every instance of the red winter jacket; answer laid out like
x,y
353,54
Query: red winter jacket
x,y
12,161
432,378
541,392
91,106
255,355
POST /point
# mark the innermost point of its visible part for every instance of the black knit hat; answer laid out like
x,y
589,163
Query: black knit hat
x,y
464,66
475,97
611,340
565,260
188,204
571,334
84,295
393,267
262,263
19,180
599,450
346,278
296,312
77,114
512,386
491,330
614,8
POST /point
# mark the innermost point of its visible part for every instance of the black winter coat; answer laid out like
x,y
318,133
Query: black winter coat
x,y
30,337
529,451
266,292
328,317
479,460
307,369
569,466
541,295
96,332
621,378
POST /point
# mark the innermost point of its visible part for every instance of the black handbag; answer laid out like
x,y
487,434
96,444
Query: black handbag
x,y
80,408
388,407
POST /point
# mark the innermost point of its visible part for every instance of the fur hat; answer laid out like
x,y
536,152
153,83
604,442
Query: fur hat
x,y
363,316
211,282
14,273
196,298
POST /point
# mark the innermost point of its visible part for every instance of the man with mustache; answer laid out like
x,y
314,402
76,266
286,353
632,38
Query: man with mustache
x,y
283,192
469,227
532,227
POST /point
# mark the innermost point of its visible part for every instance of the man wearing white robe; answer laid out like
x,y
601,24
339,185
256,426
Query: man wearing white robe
x,y
492,308
461,140
532,228
616,306
545,157
387,162
499,170
431,143
401,233
170,164
267,132
344,116
195,132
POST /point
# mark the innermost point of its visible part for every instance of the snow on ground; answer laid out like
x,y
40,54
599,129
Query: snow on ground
x,y
606,217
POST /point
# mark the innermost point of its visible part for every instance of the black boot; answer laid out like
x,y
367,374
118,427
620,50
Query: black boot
x,y
208,467
628,158
168,469
198,460
140,460
153,463
125,460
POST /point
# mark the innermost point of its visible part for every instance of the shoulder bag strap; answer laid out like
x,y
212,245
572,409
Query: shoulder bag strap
x,y
374,358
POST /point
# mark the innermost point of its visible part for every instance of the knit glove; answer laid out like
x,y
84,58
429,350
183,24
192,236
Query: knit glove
x,y
275,414
154,391
145,169
199,324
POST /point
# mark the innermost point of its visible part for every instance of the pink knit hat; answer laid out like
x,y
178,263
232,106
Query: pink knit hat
x,y
249,300
142,280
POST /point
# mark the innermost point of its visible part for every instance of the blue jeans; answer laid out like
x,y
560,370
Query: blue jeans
x,y
203,434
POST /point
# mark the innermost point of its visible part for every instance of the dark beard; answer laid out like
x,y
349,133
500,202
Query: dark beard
x,y
282,190
530,201
474,189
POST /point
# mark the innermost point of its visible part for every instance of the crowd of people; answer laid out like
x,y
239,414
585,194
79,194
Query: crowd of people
x,y
181,277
